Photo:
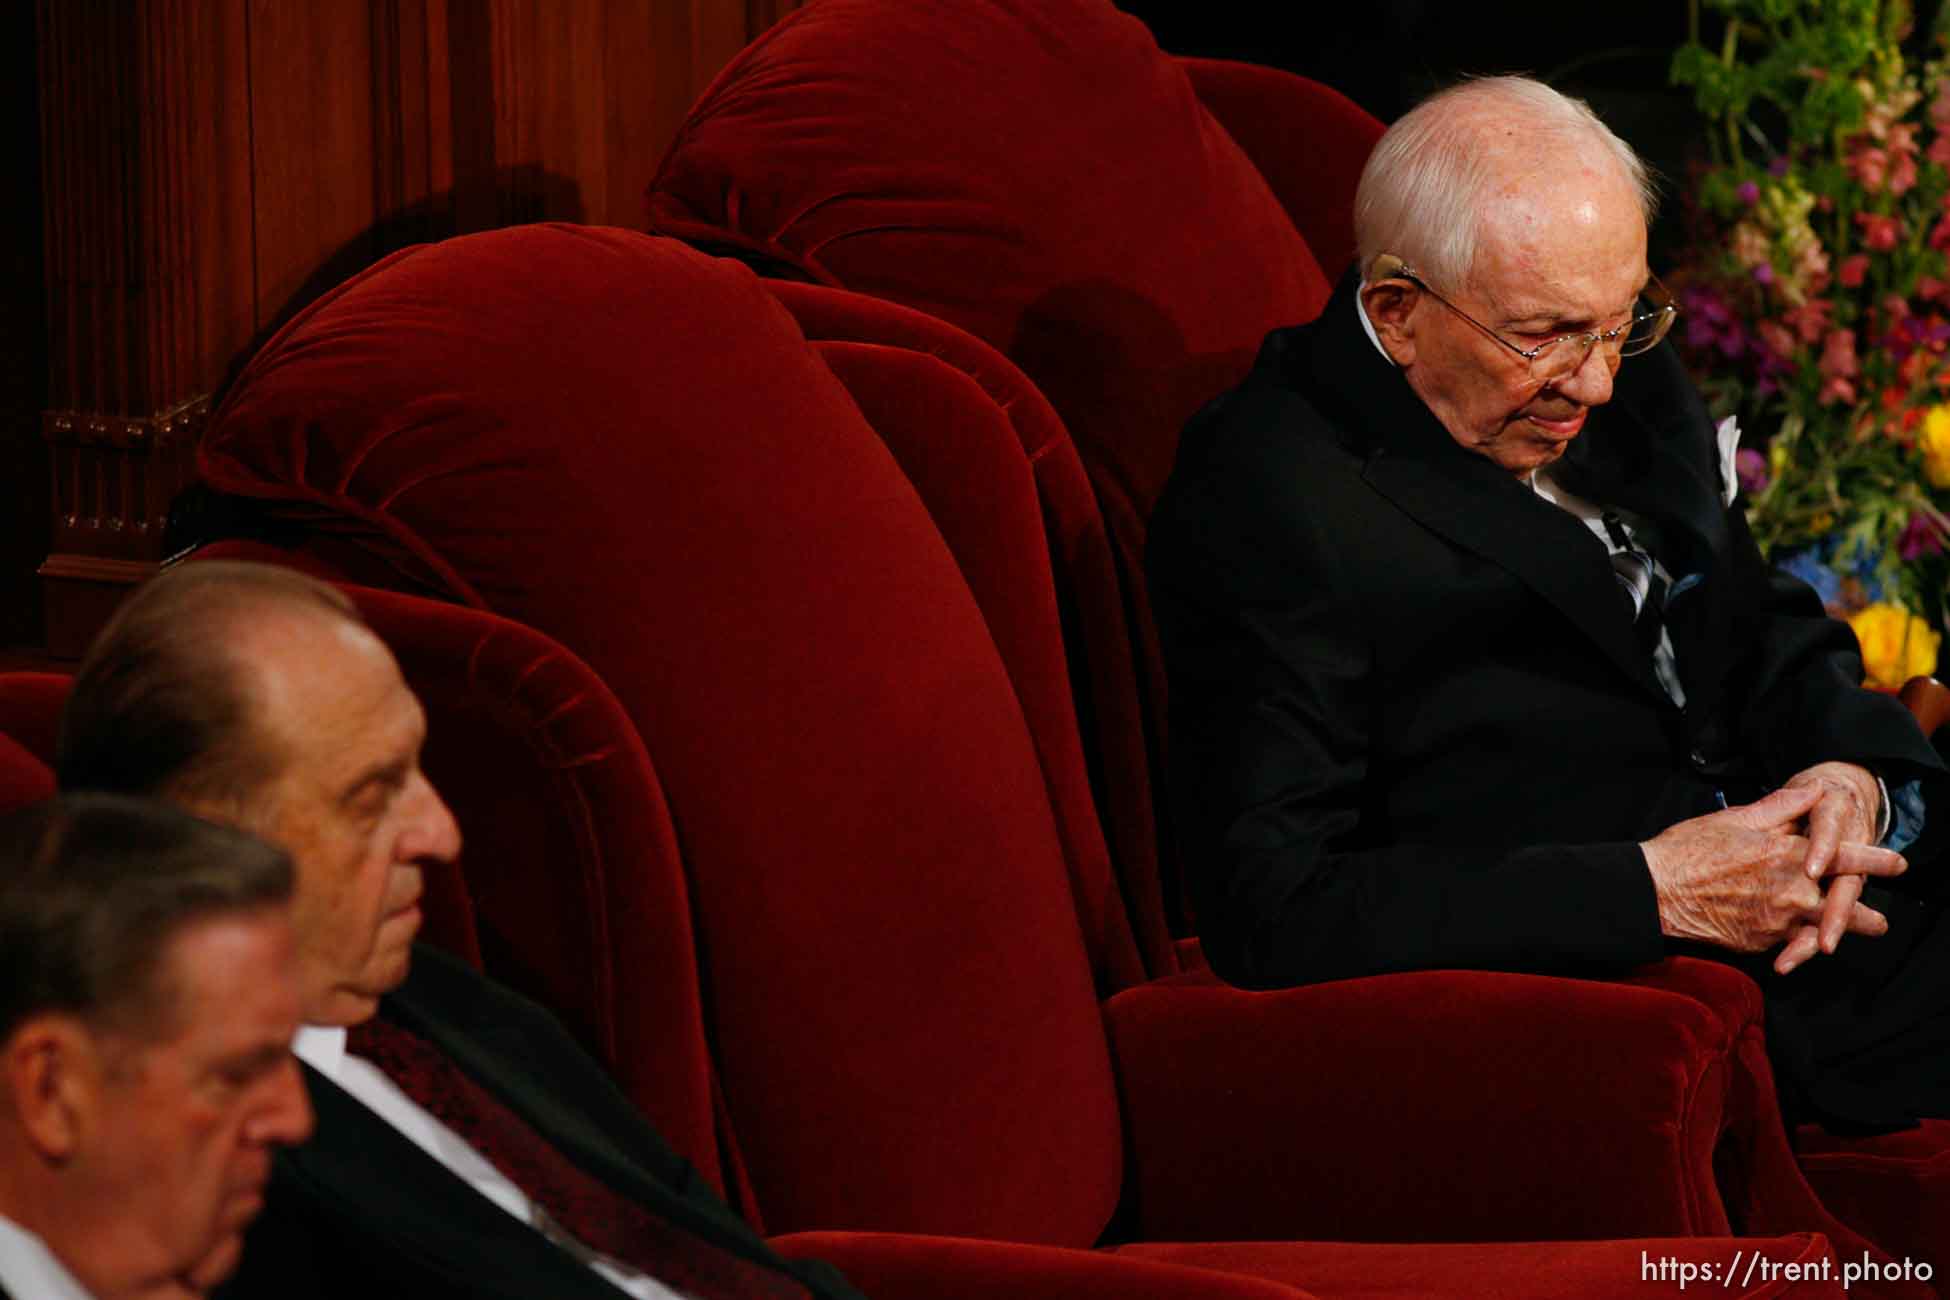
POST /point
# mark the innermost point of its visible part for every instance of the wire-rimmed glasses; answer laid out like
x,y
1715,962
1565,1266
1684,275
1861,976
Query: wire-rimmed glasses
x,y
1565,355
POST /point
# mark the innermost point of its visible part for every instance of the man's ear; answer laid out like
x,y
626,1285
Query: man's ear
x,y
1389,304
52,1072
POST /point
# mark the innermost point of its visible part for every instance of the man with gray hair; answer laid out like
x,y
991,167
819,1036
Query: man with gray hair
x,y
1473,662
148,995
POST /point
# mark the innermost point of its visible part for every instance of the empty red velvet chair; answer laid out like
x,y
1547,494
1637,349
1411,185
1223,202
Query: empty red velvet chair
x,y
1123,225
638,449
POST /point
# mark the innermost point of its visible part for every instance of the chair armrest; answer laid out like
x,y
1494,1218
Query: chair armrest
x,y
1929,700
1434,1106
901,1266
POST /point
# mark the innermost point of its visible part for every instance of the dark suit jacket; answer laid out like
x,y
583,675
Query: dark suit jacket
x,y
359,1210
1411,726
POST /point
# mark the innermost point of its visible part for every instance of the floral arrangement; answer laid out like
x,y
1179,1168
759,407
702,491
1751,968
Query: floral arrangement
x,y
1815,298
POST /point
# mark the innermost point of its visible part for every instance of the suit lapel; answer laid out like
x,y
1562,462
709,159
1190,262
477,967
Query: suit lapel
x,y
1467,499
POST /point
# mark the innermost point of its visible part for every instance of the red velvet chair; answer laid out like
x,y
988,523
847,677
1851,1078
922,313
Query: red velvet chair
x,y
635,448
1132,252
1125,227
964,481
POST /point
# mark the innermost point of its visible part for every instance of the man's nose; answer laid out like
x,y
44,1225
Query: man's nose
x,y
286,1116
1590,383
431,831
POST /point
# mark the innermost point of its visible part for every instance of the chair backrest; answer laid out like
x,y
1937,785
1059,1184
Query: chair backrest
x,y
633,447
1038,173
30,710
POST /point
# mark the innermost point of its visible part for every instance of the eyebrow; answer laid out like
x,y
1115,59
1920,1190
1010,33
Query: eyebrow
x,y
257,1060
1515,322
390,773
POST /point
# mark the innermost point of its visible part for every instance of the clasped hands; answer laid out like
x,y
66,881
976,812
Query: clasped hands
x,y
1787,869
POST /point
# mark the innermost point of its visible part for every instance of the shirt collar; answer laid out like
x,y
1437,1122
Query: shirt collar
x,y
29,1268
322,1047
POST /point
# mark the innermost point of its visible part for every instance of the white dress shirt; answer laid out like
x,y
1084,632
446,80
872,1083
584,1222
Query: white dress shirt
x,y
324,1050
29,1270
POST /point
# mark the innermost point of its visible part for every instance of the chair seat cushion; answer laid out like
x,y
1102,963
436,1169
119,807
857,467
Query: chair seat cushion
x,y
1894,1187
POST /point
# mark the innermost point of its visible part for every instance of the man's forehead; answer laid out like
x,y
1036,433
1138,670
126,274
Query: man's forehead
x,y
212,973
1533,257
300,660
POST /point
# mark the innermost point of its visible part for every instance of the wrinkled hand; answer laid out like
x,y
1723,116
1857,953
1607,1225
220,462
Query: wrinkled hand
x,y
1845,815
1739,878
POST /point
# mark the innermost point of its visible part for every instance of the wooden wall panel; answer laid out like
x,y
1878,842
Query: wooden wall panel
x,y
210,166
310,70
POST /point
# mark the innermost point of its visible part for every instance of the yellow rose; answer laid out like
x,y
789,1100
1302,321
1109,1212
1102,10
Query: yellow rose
x,y
1935,443
1896,645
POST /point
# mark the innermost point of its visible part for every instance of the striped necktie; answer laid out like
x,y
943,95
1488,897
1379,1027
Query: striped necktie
x,y
1638,579
575,1204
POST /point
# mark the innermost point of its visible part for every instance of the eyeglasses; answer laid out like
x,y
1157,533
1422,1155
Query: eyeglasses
x,y
1565,355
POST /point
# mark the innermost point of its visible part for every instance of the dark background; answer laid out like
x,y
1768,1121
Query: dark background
x,y
1387,54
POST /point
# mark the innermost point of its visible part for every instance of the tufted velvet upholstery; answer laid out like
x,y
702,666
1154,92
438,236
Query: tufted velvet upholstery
x,y
1131,257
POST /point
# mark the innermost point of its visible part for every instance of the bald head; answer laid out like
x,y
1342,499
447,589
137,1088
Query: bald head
x,y
165,701
1489,160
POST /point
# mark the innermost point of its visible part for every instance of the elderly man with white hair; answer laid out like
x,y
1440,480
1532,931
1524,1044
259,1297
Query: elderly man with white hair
x,y
1473,662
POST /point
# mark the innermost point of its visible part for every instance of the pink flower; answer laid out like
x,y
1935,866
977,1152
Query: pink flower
x,y
1811,267
1870,166
1836,389
1751,246
1929,288
1940,236
1776,338
1879,233
1920,538
1838,359
1902,154
1903,175
1749,193
1809,321
1764,273
1852,269
1939,151
1751,469
1940,106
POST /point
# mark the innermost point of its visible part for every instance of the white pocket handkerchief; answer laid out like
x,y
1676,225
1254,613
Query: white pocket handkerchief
x,y
1729,436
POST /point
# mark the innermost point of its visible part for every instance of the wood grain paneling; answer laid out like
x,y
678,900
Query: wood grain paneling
x,y
210,166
